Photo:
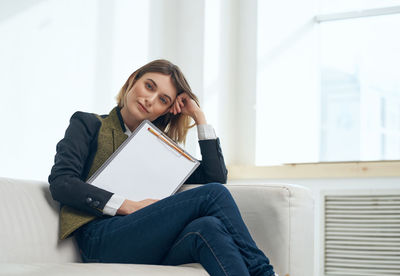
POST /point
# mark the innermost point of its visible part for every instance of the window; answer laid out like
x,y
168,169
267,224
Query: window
x,y
328,87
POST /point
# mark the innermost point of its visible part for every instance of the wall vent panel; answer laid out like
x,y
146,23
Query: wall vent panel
x,y
361,234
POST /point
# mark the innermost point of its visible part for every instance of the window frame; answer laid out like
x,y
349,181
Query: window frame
x,y
321,18
362,169
345,169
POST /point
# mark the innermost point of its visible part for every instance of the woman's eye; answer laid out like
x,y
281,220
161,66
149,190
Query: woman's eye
x,y
148,85
163,100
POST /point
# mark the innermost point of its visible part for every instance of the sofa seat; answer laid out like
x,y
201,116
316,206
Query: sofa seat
x,y
98,269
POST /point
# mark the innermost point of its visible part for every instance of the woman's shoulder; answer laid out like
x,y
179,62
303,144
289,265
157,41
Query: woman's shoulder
x,y
90,121
84,115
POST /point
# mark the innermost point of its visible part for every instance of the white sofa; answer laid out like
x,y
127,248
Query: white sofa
x,y
279,217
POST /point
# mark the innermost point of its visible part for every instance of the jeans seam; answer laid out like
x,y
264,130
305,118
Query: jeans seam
x,y
205,241
231,225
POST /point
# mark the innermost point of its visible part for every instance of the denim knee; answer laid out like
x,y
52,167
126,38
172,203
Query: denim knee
x,y
198,229
215,187
206,224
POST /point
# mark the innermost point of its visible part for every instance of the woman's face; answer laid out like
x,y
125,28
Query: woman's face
x,y
150,97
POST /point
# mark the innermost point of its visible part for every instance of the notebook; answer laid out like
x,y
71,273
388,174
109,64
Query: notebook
x,y
148,164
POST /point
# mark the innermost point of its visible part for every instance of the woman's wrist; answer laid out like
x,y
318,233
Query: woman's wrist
x,y
127,207
199,118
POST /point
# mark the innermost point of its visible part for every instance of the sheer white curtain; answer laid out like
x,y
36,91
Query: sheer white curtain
x,y
57,57
60,56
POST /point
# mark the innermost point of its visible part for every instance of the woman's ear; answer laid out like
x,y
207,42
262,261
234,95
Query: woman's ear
x,y
170,107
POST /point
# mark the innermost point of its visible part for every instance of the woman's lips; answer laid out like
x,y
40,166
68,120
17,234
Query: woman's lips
x,y
143,108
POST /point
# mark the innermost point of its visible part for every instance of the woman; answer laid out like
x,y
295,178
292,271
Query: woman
x,y
199,225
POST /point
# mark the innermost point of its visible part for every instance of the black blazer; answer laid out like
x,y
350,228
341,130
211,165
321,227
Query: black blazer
x,y
74,158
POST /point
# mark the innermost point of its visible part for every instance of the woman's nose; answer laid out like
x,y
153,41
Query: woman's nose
x,y
150,99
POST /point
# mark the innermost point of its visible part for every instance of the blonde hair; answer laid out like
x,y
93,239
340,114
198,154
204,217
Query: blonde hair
x,y
174,126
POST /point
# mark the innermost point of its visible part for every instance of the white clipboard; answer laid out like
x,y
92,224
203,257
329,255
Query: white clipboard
x,y
146,165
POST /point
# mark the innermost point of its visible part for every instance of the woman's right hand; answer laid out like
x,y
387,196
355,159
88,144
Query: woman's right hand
x,y
129,206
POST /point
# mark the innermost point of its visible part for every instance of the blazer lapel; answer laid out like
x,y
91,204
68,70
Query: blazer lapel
x,y
117,128
111,136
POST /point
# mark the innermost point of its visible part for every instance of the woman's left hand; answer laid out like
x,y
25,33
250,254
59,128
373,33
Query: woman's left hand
x,y
187,106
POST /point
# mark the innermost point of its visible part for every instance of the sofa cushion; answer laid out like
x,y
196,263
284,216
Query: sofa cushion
x,y
279,218
30,229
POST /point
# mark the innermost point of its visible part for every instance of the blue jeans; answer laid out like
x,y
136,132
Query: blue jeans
x,y
202,225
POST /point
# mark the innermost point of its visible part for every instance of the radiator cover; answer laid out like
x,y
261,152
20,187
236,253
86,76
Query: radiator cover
x,y
361,232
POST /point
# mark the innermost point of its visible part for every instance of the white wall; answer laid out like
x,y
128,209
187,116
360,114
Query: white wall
x,y
57,57
288,101
46,54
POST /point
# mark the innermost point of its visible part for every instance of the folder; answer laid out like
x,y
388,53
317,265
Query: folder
x,y
148,164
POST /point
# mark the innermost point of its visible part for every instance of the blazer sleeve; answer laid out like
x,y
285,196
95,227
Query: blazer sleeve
x,y
73,151
212,166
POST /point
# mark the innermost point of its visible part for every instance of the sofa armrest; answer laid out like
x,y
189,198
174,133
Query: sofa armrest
x,y
280,218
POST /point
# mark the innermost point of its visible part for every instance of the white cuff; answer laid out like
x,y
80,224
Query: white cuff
x,y
113,205
206,132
